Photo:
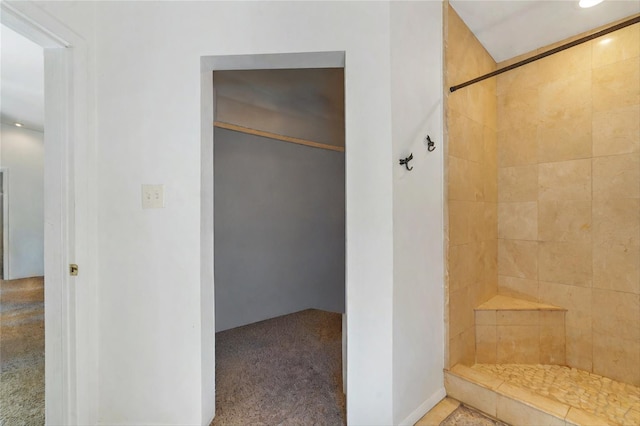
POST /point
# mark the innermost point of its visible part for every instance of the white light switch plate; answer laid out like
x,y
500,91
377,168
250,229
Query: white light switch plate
x,y
152,196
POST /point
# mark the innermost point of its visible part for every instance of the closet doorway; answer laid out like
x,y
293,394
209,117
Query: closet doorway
x,y
279,245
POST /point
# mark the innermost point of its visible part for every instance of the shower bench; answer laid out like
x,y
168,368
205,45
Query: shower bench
x,y
516,331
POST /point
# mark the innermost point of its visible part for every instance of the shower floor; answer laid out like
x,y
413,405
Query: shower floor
x,y
616,401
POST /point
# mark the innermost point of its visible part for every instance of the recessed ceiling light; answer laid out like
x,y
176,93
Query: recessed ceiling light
x,y
589,3
18,124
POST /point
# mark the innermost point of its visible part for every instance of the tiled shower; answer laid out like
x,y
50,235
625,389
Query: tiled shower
x,y
543,206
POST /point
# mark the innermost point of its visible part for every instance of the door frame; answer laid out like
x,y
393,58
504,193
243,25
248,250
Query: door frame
x,y
209,64
68,394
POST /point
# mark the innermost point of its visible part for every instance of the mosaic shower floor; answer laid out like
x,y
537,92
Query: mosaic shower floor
x,y
618,402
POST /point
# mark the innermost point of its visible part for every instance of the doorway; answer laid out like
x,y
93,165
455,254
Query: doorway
x,y
60,201
211,112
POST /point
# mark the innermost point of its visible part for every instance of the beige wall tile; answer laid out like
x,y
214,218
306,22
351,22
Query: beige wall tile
x,y
616,267
465,137
616,85
486,344
617,176
476,221
552,344
616,46
462,348
465,180
527,76
517,108
464,266
616,314
520,317
616,221
616,358
570,92
565,262
579,348
517,146
553,319
566,63
490,223
565,180
518,344
518,183
460,310
616,131
459,226
518,413
518,221
490,164
471,394
487,317
564,221
518,287
565,135
489,282
577,301
518,258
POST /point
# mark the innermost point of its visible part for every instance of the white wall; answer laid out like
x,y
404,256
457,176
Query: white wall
x,y
145,63
279,229
23,158
418,298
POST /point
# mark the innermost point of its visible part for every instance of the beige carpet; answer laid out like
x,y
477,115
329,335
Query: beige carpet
x,y
22,352
283,371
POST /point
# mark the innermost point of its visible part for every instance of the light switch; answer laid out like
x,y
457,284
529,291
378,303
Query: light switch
x,y
152,196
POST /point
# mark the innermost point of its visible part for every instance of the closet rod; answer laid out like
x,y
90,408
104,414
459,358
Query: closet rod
x,y
249,131
549,52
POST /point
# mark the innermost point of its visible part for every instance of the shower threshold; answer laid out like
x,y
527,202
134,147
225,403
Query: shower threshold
x,y
544,394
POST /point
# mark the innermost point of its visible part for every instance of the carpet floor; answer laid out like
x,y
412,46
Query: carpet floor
x,y
282,371
22,352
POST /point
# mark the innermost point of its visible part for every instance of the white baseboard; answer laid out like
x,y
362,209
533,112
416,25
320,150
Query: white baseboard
x,y
424,408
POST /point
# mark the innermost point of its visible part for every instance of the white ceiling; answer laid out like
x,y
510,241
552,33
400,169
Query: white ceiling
x,y
21,81
510,28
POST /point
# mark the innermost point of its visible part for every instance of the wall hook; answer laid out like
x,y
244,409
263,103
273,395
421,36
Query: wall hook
x,y
431,145
405,162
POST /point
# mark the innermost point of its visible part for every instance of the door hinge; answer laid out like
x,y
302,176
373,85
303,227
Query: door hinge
x,y
73,269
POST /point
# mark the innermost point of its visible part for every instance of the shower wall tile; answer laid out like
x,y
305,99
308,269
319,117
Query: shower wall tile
x,y
574,118
518,344
522,288
566,63
465,138
518,258
616,314
565,262
616,131
617,221
518,106
552,340
579,348
617,85
517,146
616,46
518,183
566,135
465,180
616,358
486,344
616,267
564,221
565,180
565,97
518,221
576,300
617,176
472,186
